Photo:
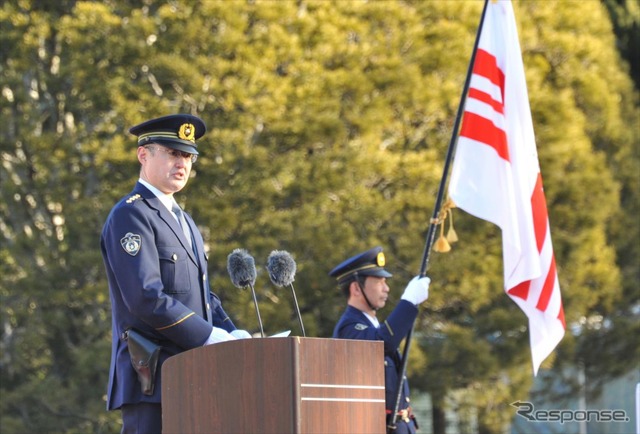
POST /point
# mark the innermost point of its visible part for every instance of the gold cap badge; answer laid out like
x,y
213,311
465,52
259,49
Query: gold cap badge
x,y
187,132
380,259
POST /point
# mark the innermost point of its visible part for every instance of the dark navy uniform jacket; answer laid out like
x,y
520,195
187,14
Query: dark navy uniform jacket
x,y
354,324
157,285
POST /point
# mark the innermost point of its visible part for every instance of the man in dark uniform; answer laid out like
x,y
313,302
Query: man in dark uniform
x,y
362,278
157,270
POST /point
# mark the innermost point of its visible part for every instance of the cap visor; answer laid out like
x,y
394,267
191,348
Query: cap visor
x,y
174,144
379,272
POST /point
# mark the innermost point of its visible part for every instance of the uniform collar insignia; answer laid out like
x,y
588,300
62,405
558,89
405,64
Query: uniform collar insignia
x,y
133,198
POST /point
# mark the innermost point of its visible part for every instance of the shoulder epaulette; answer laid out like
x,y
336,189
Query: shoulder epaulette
x,y
133,198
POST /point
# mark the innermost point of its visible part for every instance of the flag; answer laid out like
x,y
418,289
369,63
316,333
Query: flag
x,y
496,177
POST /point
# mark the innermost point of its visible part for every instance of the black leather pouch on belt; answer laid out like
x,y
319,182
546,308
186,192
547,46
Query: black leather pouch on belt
x,y
144,358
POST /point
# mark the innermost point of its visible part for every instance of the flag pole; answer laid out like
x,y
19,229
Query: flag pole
x,y
435,218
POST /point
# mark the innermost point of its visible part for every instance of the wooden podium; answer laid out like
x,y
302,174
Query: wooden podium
x,y
275,385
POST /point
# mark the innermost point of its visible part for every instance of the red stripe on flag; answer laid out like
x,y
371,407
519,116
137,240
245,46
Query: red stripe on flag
x,y
486,65
548,287
539,211
487,99
521,290
481,129
561,317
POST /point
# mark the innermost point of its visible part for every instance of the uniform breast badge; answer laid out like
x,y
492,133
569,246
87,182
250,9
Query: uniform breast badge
x,y
131,243
361,326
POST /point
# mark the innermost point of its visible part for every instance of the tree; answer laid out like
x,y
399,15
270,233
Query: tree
x,y
55,312
625,17
328,124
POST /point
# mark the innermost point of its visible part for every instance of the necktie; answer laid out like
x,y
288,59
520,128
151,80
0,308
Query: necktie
x,y
183,223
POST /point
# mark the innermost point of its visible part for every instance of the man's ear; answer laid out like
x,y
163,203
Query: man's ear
x,y
142,154
354,288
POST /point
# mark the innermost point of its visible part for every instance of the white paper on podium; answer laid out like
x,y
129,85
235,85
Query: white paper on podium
x,y
283,334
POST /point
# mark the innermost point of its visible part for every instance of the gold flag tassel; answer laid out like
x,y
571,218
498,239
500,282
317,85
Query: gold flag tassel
x,y
442,244
452,236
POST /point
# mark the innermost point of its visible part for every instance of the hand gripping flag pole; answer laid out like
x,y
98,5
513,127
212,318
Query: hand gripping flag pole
x,y
437,216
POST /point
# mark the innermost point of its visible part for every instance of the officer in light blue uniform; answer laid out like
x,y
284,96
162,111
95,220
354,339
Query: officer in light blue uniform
x,y
157,270
362,279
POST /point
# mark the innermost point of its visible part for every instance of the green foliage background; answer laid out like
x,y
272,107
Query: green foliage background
x,y
328,126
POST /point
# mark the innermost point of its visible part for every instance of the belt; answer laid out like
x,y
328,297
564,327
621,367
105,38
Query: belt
x,y
406,414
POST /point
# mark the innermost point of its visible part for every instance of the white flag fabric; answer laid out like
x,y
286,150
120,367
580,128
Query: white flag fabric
x,y
496,177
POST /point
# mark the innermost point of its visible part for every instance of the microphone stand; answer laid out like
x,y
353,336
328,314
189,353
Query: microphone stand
x,y
255,303
295,301
435,219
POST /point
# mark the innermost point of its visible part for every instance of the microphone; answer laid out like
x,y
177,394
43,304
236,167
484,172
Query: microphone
x,y
282,271
241,268
242,271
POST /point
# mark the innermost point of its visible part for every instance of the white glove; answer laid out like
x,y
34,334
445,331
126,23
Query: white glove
x,y
240,334
417,291
219,335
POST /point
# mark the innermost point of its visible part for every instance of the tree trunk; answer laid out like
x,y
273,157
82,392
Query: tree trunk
x,y
439,420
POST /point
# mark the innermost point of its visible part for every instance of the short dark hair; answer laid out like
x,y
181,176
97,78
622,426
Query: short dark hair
x,y
344,286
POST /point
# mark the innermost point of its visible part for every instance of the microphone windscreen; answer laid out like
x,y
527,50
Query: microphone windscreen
x,y
250,266
241,268
281,267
